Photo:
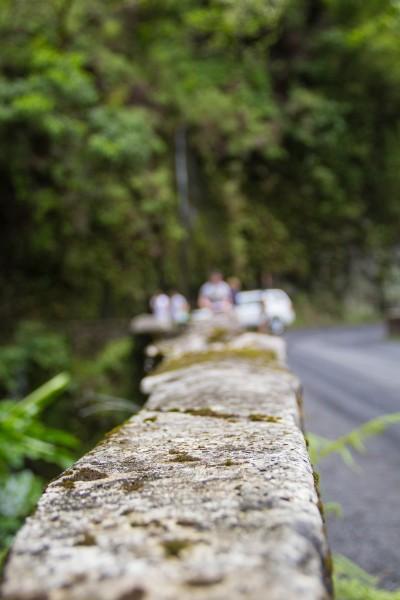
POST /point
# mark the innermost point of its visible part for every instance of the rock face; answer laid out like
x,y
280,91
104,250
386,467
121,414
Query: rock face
x,y
207,493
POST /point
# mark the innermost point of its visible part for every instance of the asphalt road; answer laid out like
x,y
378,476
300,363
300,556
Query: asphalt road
x,y
351,375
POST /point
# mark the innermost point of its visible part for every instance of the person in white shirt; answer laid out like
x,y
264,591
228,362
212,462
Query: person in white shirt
x,y
215,294
161,306
179,308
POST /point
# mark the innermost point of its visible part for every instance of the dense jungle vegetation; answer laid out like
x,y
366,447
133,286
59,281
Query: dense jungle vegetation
x,y
144,142
285,111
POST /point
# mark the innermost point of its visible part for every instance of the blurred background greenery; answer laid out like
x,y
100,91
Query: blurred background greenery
x,y
280,120
289,115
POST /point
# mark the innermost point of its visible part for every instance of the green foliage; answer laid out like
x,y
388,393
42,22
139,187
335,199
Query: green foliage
x,y
18,496
320,447
23,436
353,583
290,110
350,581
122,136
104,383
112,357
333,508
34,355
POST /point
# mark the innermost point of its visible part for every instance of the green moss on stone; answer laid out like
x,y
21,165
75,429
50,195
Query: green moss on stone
x,y
328,564
229,463
68,484
204,581
150,420
193,358
207,412
135,593
200,412
113,431
266,418
218,334
174,548
132,485
182,456
87,539
85,474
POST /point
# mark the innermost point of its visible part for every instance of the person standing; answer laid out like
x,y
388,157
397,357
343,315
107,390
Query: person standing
x,y
215,294
179,308
235,287
161,307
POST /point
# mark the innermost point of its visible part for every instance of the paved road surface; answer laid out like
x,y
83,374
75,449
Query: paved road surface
x,y
350,375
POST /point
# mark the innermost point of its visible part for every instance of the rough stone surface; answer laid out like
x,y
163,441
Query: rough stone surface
x,y
221,334
207,493
148,324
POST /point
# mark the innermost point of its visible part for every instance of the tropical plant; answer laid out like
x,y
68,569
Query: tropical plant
x,y
23,440
321,447
353,583
350,581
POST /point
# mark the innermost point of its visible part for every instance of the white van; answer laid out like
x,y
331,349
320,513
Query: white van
x,y
260,307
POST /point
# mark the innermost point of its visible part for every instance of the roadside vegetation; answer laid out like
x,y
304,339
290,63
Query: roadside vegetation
x,y
350,581
48,417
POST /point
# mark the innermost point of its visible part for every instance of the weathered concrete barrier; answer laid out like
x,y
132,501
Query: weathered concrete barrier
x,y
207,493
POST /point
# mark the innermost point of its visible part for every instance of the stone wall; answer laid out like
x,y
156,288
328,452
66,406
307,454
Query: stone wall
x,y
207,493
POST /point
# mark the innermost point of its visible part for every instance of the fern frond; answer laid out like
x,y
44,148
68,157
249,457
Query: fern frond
x,y
320,447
